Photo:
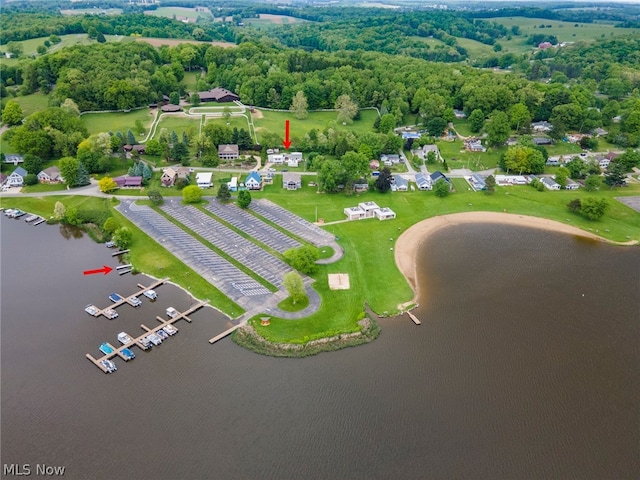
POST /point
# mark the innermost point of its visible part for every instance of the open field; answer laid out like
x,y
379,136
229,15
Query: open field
x,y
117,122
92,11
32,103
179,13
234,122
190,79
171,42
274,122
179,124
564,31
268,20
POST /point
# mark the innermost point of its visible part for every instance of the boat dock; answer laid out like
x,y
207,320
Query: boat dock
x,y
137,342
129,299
224,334
414,318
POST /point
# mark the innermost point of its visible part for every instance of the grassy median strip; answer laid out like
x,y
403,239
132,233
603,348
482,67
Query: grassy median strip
x,y
236,263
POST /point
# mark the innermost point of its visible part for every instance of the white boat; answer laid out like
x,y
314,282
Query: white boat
x,y
155,339
124,338
151,294
111,313
170,329
162,334
9,211
91,310
135,301
31,218
109,366
172,312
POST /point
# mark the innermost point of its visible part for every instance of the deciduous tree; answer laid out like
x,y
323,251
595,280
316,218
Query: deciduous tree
x,y
441,188
295,286
12,113
497,128
300,106
223,193
192,194
107,185
244,199
347,109
303,258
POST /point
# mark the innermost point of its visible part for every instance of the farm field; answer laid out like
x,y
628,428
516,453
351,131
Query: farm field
x,y
179,13
117,122
268,20
92,11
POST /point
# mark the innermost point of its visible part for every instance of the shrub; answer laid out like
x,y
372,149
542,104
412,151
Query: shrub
x,y
30,179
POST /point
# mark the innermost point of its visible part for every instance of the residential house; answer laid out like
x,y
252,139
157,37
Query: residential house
x,y
50,175
545,45
549,183
374,164
220,95
542,140
183,172
424,151
477,182
228,152
408,135
423,181
554,161
16,178
474,145
508,180
459,114
140,149
360,185
253,181
600,132
168,177
612,156
575,137
511,141
128,182
275,158
369,208
435,176
291,181
12,158
390,159
399,184
571,185
542,126
603,162
385,213
203,179
354,213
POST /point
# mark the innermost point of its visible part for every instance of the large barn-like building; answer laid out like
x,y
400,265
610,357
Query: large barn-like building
x,y
218,94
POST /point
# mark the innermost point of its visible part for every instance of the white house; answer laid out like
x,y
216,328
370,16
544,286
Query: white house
x,y
603,162
253,181
233,184
543,126
12,158
50,175
508,180
203,179
369,208
550,183
477,182
16,179
385,213
423,181
571,185
354,213
228,152
424,151
275,158
291,181
390,160
400,184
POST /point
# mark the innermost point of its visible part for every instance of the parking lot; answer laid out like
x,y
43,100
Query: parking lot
x,y
232,281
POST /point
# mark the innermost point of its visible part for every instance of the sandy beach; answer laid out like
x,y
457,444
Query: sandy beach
x,y
408,244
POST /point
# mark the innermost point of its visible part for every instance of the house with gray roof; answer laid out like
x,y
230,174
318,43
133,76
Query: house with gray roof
x,y
13,158
50,175
550,183
400,184
423,181
228,152
477,182
16,179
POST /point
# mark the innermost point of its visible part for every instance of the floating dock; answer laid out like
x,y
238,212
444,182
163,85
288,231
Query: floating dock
x,y
224,334
137,342
414,318
129,299
115,254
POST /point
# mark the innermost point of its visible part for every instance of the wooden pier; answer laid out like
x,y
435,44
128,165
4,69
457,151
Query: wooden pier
x,y
224,334
129,299
137,342
414,318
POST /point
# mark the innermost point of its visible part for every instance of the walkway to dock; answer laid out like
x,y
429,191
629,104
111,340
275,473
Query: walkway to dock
x,y
129,299
414,318
137,342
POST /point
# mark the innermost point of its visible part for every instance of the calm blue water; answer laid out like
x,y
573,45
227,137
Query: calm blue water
x,y
512,374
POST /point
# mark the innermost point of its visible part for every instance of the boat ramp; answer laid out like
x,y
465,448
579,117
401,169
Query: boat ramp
x,y
118,300
142,341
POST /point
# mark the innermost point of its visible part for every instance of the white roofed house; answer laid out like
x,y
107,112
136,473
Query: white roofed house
x,y
542,126
203,179
369,208
385,213
275,158
354,213
550,183
50,175
13,158
571,185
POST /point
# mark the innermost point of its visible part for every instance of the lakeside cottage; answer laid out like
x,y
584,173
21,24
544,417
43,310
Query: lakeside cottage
x,y
203,179
369,210
16,178
291,181
50,175
385,213
571,185
253,181
168,177
423,181
228,152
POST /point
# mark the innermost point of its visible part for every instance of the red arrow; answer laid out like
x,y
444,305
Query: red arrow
x,y
287,142
105,269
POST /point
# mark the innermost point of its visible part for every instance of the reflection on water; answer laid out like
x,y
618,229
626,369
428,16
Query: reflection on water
x,y
69,231
512,374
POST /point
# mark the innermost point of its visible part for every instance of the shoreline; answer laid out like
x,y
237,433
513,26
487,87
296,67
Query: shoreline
x,y
410,241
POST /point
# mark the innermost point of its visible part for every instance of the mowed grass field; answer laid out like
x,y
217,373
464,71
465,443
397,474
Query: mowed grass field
x,y
179,124
117,122
268,121
170,12
267,20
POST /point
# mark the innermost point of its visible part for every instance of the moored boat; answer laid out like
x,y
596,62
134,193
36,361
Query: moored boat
x,y
106,348
109,366
155,339
91,310
162,334
128,354
170,329
124,338
110,313
145,343
115,297
150,294
172,312
135,301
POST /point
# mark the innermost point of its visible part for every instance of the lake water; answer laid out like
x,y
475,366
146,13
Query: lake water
x,y
526,366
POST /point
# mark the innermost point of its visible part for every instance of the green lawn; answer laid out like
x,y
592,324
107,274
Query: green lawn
x,y
179,124
32,103
117,122
234,122
171,12
275,122
457,157
190,79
